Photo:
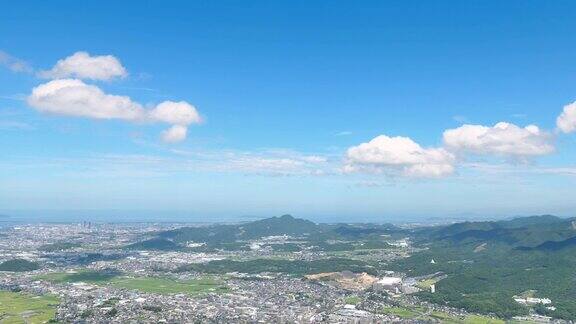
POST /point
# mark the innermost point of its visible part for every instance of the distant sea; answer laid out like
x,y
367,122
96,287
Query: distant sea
x,y
134,216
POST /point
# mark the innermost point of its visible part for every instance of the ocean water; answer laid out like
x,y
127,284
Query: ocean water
x,y
130,216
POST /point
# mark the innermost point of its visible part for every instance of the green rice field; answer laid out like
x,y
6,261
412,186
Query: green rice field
x,y
24,308
145,284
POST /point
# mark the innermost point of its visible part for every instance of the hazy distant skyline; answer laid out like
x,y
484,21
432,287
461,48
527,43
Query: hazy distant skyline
x,y
373,110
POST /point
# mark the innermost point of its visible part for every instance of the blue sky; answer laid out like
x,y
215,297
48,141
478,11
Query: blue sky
x,y
286,94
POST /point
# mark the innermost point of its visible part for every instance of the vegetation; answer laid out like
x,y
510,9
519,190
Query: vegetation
x,y
296,267
509,263
234,237
159,244
169,286
422,313
59,246
19,265
152,308
284,225
93,277
401,312
425,284
144,284
288,247
353,300
522,233
24,308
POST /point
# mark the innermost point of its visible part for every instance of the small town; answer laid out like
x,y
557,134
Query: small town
x,y
94,279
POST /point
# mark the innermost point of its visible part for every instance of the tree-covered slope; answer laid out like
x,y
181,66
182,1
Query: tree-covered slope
x,y
487,263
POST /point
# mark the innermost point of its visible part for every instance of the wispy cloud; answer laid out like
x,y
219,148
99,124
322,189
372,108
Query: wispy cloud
x,y
15,97
181,163
14,64
488,168
15,125
276,162
461,119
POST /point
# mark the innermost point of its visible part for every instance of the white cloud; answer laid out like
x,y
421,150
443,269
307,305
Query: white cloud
x,y
399,155
502,169
73,97
83,66
177,113
263,164
314,159
175,134
14,64
503,139
566,122
271,162
181,162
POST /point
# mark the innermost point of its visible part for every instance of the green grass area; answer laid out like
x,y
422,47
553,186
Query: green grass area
x,y
401,312
421,313
169,286
425,284
477,319
144,284
25,308
353,300
470,319
445,318
93,277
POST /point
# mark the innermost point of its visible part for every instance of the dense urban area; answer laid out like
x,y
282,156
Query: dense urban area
x,y
285,269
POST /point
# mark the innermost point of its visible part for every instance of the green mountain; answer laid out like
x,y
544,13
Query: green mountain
x,y
487,263
284,225
523,232
553,245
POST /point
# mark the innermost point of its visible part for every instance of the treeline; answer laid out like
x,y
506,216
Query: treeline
x,y
19,265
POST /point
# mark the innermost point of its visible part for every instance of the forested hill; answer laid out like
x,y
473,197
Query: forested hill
x,y
236,236
523,232
283,225
488,263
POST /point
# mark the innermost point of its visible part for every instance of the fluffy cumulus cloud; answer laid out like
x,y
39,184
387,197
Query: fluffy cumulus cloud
x,y
73,97
68,95
502,139
175,134
82,65
566,122
399,155
178,113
